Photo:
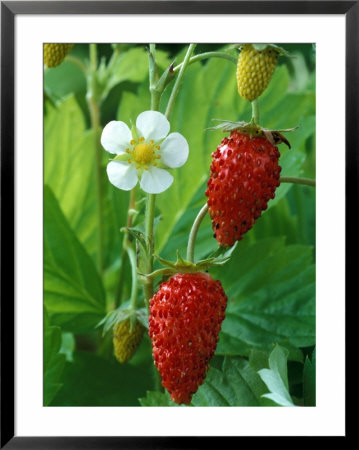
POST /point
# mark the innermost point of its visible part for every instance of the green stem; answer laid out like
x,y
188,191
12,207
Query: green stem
x,y
177,84
149,226
151,198
77,62
94,110
93,57
125,242
155,95
255,111
132,257
305,181
193,233
146,264
207,55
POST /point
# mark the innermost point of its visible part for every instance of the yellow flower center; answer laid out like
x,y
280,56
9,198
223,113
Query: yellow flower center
x,y
143,153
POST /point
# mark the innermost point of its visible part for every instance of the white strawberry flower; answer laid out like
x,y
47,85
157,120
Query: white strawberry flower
x,y
144,153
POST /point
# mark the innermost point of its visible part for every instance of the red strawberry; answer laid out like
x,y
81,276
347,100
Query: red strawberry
x,y
186,315
244,176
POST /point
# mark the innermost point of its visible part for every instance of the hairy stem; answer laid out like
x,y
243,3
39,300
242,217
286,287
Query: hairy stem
x,y
206,55
149,227
125,242
147,263
155,95
305,181
177,84
194,231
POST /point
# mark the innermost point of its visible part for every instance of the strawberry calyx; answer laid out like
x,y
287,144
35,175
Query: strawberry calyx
x,y
252,130
122,313
260,47
217,258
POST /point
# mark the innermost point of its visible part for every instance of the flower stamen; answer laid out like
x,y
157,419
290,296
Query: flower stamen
x,y
143,153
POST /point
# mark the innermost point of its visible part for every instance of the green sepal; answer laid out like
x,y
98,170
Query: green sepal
x,y
260,47
142,316
218,258
116,316
139,236
123,312
134,132
121,157
165,79
252,129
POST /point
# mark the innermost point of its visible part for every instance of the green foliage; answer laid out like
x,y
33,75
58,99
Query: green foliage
x,y
276,378
54,362
71,174
156,398
238,383
73,291
92,381
269,279
309,381
271,291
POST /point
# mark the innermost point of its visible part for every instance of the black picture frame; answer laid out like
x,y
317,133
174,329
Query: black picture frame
x,y
9,10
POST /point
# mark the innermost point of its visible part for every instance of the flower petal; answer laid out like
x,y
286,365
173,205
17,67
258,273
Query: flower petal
x,y
155,181
116,137
174,150
152,125
122,175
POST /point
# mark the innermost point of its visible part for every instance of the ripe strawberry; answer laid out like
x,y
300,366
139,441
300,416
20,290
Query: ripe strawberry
x,y
186,315
244,176
126,340
255,69
54,54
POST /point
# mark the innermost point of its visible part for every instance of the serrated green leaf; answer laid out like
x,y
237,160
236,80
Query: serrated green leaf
x,y
155,398
69,169
131,65
271,291
276,378
73,291
216,391
246,383
236,384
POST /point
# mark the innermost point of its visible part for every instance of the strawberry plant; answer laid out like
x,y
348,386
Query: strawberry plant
x,y
179,225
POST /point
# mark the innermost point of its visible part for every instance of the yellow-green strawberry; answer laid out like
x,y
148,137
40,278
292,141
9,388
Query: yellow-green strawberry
x,y
126,340
255,67
54,54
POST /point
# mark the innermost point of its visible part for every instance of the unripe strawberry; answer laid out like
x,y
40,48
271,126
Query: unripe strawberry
x,y
244,176
126,340
186,315
54,54
255,69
